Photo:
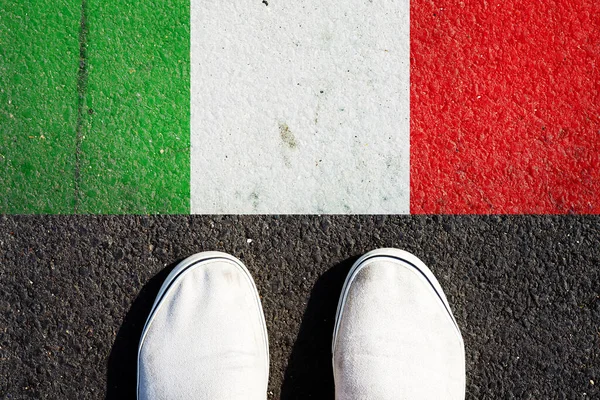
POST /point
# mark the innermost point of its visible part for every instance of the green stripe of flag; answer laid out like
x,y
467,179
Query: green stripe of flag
x,y
105,134
39,54
136,146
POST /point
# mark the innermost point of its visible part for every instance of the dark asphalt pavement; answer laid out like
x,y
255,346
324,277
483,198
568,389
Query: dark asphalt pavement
x,y
75,292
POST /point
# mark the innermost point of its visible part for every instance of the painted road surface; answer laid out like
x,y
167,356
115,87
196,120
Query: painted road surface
x,y
505,101
39,62
300,107
256,106
94,107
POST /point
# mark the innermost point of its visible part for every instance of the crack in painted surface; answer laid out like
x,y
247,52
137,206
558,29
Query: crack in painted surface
x,y
82,77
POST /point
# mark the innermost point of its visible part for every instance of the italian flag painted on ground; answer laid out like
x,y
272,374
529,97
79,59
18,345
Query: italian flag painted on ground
x,y
270,106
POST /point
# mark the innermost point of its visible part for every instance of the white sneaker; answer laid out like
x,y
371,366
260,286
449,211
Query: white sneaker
x,y
206,336
395,336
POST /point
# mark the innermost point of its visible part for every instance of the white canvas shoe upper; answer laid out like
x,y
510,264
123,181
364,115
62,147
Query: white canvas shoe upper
x,y
206,336
395,336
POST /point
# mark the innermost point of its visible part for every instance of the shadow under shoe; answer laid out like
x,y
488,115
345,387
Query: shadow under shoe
x,y
121,382
309,373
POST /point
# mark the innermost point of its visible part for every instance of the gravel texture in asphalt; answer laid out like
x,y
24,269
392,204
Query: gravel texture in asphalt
x,y
76,290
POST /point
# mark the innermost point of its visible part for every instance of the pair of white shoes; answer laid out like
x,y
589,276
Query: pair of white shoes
x,y
394,337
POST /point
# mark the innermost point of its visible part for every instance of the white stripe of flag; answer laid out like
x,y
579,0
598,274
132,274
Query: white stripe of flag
x,y
299,107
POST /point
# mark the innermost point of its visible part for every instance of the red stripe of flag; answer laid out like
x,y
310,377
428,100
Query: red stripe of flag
x,y
505,106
